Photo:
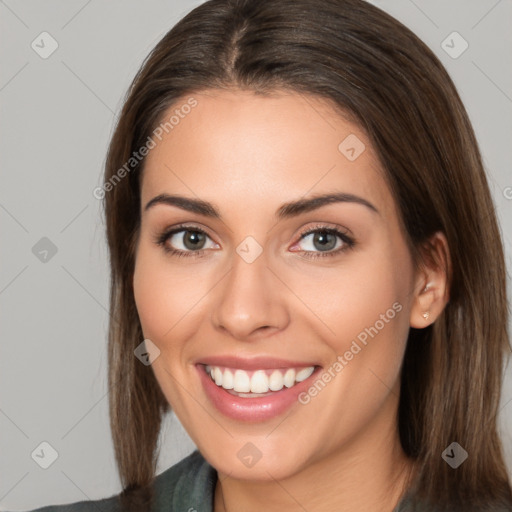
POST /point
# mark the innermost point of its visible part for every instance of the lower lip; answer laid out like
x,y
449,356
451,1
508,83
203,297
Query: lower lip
x,y
252,409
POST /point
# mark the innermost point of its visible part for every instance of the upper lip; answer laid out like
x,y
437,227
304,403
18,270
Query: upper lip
x,y
253,363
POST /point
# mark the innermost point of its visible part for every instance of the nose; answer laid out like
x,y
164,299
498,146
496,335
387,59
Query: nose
x,y
250,301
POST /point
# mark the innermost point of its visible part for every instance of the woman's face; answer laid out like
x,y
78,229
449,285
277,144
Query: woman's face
x,y
247,293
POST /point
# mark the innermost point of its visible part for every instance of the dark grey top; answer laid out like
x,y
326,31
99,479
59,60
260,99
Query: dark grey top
x,y
187,486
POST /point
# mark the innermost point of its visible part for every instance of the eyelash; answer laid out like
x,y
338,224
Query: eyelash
x,y
349,242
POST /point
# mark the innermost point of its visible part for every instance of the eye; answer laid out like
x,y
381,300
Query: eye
x,y
190,241
328,241
184,241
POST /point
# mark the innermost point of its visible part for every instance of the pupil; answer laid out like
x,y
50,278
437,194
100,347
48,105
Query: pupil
x,y
322,238
192,238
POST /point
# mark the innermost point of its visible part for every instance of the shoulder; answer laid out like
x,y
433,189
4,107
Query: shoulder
x,y
189,484
409,503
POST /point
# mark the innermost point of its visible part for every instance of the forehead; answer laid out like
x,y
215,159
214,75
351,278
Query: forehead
x,y
251,149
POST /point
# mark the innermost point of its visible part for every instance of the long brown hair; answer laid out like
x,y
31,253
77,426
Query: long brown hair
x,y
366,64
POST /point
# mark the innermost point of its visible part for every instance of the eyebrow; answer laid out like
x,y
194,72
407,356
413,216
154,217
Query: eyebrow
x,y
286,210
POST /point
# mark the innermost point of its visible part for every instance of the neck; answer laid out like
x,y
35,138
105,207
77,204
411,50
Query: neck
x,y
368,475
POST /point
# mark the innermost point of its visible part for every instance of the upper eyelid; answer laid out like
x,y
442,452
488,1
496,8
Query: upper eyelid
x,y
327,226
179,229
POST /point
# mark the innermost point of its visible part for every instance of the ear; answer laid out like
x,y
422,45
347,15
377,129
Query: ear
x,y
431,289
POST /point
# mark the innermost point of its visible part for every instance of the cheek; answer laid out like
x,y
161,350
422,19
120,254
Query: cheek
x,y
168,296
156,293
367,309
365,306
382,310
148,290
356,295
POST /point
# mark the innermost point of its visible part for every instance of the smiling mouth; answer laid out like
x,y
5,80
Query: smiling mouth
x,y
253,384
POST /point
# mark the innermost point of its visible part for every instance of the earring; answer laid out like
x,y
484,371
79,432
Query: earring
x,y
427,313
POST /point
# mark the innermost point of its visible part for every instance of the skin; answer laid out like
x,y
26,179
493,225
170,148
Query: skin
x,y
248,155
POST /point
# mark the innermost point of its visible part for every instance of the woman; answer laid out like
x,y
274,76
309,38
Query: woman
x,y
301,230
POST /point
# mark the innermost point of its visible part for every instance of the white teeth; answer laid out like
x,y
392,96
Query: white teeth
x,y
304,374
217,375
241,383
289,378
276,382
260,382
228,381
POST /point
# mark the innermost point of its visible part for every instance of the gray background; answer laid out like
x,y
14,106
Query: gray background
x,y
57,115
